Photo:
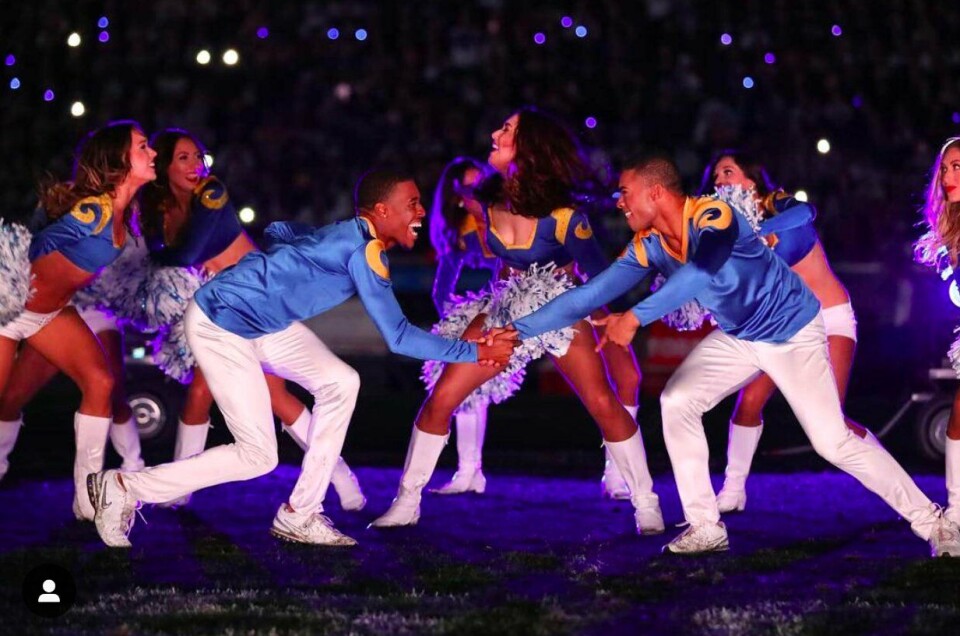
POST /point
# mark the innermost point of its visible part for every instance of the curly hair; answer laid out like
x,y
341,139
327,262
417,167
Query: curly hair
x,y
549,170
941,218
446,212
101,165
156,195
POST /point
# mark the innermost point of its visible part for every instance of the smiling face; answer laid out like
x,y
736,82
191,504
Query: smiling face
x,y
636,201
400,215
142,168
728,173
186,167
504,145
950,173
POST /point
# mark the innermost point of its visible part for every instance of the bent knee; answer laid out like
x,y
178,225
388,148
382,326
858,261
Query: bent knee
x,y
259,461
98,383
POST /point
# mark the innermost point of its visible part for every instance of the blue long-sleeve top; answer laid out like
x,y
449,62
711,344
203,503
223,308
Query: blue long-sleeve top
x,y
470,251
563,237
722,263
211,228
791,231
84,235
307,271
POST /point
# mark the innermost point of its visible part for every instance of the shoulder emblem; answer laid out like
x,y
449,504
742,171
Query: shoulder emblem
x,y
712,214
93,210
562,217
377,259
639,249
469,225
212,193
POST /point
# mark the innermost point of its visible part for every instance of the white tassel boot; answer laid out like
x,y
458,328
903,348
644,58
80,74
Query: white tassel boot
x,y
613,484
126,441
952,512
631,459
343,480
741,446
191,441
8,439
422,456
471,428
91,437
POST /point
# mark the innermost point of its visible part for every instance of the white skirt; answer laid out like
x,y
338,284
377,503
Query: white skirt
x,y
503,301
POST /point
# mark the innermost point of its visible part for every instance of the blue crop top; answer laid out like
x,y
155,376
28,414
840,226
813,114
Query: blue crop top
x,y
84,235
471,251
790,229
211,228
563,237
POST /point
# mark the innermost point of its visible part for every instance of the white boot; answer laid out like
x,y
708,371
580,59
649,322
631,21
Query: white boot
x,y
471,427
952,513
631,459
613,485
126,441
91,434
8,439
741,446
422,456
191,441
342,479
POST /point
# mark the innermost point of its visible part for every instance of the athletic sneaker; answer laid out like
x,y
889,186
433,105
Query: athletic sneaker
x,y
313,528
115,508
701,538
945,539
648,516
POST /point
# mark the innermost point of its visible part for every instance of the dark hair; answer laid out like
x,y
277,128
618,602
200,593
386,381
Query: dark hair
x,y
657,168
551,170
447,212
102,162
156,196
375,185
752,168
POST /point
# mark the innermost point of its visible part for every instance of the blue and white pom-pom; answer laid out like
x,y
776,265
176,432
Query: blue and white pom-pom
x,y
118,288
16,281
744,202
172,354
167,293
688,317
954,353
458,313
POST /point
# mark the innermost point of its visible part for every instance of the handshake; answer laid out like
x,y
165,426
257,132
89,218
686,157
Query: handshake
x,y
495,346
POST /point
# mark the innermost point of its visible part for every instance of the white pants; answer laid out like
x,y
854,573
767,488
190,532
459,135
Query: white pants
x,y
233,367
721,364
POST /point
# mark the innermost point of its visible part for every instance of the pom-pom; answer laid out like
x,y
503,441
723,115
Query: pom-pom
x,y
744,202
16,281
688,317
118,287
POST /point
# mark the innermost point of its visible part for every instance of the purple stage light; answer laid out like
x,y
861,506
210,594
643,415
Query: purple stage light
x,y
726,39
15,83
104,36
857,101
956,118
333,33
48,95
103,22
748,82
590,122
539,38
770,58
263,33
360,34
581,31
566,22
10,60
836,30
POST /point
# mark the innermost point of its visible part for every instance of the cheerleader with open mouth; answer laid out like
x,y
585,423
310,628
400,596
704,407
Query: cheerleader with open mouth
x,y
90,223
542,241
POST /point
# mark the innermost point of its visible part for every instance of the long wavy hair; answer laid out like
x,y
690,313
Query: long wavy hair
x,y
156,196
752,168
941,218
447,211
102,163
549,171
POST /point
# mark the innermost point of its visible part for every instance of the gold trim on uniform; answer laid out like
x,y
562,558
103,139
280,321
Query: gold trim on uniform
x,y
374,252
583,231
208,196
562,217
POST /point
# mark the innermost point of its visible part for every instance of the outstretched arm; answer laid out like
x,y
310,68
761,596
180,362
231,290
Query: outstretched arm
x,y
790,214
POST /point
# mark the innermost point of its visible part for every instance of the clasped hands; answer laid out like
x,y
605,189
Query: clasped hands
x,y
496,345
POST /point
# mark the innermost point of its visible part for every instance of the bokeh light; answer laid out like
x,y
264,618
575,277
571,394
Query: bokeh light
x,y
823,146
231,57
77,109
539,38
73,39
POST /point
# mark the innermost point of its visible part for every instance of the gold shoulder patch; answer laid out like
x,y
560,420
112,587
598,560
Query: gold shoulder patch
x,y
469,225
375,259
640,250
213,194
93,209
711,213
583,231
562,217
